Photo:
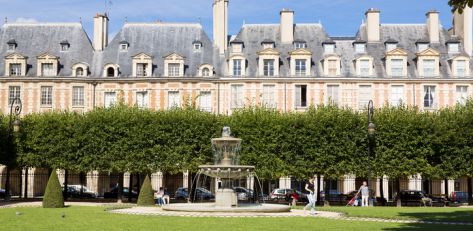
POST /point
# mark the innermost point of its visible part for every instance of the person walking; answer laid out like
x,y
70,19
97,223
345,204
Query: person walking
x,y
310,187
365,194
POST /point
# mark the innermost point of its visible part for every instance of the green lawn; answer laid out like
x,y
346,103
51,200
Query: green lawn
x,y
416,213
96,218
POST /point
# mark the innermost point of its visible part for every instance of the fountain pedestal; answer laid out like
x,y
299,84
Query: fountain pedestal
x,y
226,198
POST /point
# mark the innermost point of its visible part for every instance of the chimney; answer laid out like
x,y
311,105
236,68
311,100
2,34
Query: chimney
x,y
462,27
372,25
100,32
287,26
433,25
220,24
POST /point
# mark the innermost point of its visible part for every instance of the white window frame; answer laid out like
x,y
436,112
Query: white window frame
x,y
428,66
141,70
397,67
110,99
461,69
269,96
301,67
174,69
390,46
142,99
237,99
237,67
46,96
365,94
174,99
78,96
269,67
17,70
453,48
333,94
429,97
205,101
48,72
365,67
329,48
360,47
13,92
397,96
300,45
301,96
461,94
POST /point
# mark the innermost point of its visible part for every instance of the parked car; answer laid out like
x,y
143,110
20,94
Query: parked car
x,y
113,194
333,196
284,194
379,200
78,191
459,197
243,193
200,194
2,193
414,197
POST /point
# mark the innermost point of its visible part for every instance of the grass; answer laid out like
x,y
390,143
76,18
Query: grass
x,y
97,218
408,213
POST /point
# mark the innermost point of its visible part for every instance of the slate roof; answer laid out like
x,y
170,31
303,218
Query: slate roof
x,y
158,40
34,39
253,34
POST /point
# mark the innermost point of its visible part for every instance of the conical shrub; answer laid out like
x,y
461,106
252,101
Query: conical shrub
x,y
53,197
146,197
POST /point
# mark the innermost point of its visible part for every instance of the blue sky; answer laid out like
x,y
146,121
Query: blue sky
x,y
339,17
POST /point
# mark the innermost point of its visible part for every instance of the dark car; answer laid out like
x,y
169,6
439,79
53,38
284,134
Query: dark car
x,y
333,196
415,197
113,194
458,197
77,191
2,193
200,194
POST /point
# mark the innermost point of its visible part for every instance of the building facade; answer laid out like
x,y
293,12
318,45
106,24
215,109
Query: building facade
x,y
286,66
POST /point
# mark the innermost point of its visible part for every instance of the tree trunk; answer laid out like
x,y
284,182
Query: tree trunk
x,y
318,189
381,188
138,183
26,183
470,190
398,191
66,193
7,185
120,188
130,188
20,181
446,188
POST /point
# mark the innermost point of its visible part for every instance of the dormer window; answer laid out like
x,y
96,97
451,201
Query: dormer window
x,y
65,45
142,65
11,45
390,44
206,70
80,70
174,65
329,46
360,46
453,48
422,45
197,45
237,46
300,44
15,64
124,46
48,65
267,44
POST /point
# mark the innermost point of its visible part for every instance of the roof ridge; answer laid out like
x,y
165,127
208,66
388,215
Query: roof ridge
x,y
42,24
163,24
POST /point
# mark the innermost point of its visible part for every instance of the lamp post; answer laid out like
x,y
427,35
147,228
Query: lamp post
x,y
371,132
14,127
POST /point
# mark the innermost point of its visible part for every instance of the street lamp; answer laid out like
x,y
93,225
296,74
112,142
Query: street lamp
x,y
14,126
371,132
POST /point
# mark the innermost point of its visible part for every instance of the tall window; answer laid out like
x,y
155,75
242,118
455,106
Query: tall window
x,y
174,69
332,67
461,68
46,96
77,96
397,95
397,67
205,101
301,67
174,99
237,100
206,72
268,69
47,69
364,96
301,96
141,69
429,97
429,67
110,98
332,94
364,67
237,67
461,94
269,100
142,99
14,92
15,69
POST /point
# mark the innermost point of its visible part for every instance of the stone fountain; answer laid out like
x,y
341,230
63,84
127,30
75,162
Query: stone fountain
x,y
226,169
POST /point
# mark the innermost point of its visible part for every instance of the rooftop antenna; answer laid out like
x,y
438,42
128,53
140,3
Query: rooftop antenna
x,y
108,6
6,19
80,20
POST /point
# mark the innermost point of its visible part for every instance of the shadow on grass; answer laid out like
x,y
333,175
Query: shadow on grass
x,y
465,216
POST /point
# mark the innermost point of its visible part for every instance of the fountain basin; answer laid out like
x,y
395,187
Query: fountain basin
x,y
227,171
213,208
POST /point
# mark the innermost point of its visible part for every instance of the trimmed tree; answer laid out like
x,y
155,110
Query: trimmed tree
x,y
146,197
53,196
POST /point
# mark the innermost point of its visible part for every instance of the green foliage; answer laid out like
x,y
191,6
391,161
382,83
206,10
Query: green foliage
x,y
146,197
53,197
325,140
460,4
